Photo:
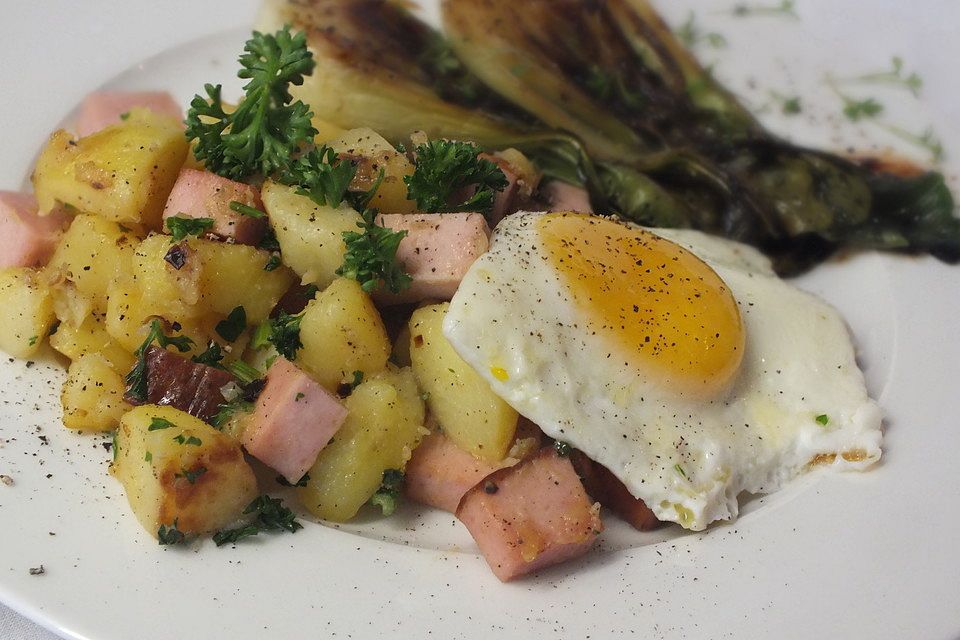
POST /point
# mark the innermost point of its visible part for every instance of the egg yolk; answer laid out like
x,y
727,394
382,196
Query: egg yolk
x,y
668,313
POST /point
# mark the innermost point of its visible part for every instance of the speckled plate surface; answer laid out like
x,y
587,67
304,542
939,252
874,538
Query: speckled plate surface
x,y
866,555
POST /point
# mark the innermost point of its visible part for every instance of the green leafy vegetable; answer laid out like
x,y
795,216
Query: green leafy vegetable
x,y
271,515
191,475
180,227
823,419
272,263
285,334
157,424
450,176
562,448
246,210
370,258
387,497
227,410
235,323
321,175
267,127
211,356
187,440
244,372
170,535
136,380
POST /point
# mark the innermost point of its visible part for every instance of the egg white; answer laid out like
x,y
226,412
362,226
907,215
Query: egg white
x,y
687,458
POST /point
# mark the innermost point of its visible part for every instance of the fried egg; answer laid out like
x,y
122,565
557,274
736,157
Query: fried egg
x,y
679,361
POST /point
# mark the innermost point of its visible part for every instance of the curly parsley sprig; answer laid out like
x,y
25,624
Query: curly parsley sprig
x,y
445,168
260,135
370,258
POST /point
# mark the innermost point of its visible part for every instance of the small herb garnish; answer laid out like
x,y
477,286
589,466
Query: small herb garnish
x,y
32,341
285,334
269,241
321,175
170,535
244,372
271,516
267,127
234,324
246,210
261,335
212,356
136,380
344,389
387,497
191,475
226,411
160,423
180,227
445,168
894,76
789,105
272,263
680,470
823,419
562,448
856,110
371,256
786,8
148,457
114,446
187,440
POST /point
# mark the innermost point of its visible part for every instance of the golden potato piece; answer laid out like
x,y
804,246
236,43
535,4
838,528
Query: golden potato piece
x,y
92,395
26,311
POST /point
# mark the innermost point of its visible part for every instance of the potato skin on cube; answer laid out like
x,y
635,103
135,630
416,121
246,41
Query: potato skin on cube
x,y
26,311
384,424
188,473
470,414
124,172
342,332
92,395
310,235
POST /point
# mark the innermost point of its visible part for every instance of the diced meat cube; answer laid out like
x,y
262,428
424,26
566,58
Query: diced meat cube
x,y
104,108
439,472
181,383
561,196
505,201
530,516
293,420
438,250
201,194
26,238
606,488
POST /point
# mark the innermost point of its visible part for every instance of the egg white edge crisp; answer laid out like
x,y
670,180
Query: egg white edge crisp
x,y
688,459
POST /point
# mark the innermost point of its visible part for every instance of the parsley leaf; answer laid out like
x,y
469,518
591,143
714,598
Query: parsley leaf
x,y
246,210
180,227
170,535
285,334
234,324
320,175
187,440
212,356
267,126
271,516
227,410
387,497
823,419
371,256
562,448
856,110
158,424
444,169
243,372
191,475
136,380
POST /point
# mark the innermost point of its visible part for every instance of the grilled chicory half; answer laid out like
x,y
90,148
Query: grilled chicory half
x,y
602,94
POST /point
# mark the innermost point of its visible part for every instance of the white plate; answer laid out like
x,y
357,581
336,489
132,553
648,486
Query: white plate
x,y
857,555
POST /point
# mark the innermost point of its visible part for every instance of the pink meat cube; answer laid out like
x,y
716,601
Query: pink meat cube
x,y
531,515
26,238
566,197
439,472
104,108
294,419
438,250
201,194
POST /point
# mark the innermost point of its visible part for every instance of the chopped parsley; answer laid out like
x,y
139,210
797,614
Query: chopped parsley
x,y
136,380
244,372
271,515
679,469
32,341
387,497
321,176
786,8
227,410
212,356
160,423
187,440
267,127
170,535
285,334
690,34
246,210
272,263
235,323
857,110
445,169
371,256
823,419
180,227
562,448
344,389
191,475
148,457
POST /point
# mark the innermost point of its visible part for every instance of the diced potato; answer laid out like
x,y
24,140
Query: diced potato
x,y
342,332
123,173
470,414
92,254
373,153
92,395
326,131
181,472
125,320
383,426
215,279
91,337
310,235
26,311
